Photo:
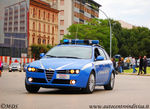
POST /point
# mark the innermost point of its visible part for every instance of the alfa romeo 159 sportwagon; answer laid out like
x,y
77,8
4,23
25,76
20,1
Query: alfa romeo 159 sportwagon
x,y
81,64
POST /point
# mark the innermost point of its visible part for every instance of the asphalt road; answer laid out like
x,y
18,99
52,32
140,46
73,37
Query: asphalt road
x,y
129,90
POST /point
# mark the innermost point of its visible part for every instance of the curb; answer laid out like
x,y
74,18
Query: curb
x,y
136,74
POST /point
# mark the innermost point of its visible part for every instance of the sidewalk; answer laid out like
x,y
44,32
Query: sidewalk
x,y
124,73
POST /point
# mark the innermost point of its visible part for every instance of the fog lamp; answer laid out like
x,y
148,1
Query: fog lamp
x,y
30,79
72,82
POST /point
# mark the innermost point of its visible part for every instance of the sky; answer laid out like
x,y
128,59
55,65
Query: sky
x,y
135,12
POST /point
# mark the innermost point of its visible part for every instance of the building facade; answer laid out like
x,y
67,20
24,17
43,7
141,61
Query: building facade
x,y
52,3
126,25
75,11
15,29
25,23
43,23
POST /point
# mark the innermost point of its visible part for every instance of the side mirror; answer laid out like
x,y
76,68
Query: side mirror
x,y
99,58
42,55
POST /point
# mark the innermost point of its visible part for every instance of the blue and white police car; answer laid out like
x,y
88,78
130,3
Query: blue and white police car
x,y
76,63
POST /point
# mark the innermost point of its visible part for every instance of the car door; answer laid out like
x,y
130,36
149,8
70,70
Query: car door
x,y
99,67
108,64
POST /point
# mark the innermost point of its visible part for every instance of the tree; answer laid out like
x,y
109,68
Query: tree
x,y
131,42
96,29
37,49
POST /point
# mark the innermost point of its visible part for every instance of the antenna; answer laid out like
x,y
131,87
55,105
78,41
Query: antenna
x,y
77,24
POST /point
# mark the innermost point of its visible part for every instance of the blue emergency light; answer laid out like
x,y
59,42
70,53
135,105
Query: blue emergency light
x,y
78,41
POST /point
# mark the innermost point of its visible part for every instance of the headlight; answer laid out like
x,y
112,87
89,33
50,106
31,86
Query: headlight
x,y
74,71
31,69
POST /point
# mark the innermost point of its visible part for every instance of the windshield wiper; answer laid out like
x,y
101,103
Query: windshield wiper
x,y
68,57
63,56
51,56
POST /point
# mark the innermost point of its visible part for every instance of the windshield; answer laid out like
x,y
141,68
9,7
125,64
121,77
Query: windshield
x,y
70,52
15,64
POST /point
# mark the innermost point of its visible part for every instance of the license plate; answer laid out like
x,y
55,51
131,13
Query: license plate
x,y
62,76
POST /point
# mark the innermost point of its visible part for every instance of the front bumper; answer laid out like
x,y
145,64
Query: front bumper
x,y
14,69
41,79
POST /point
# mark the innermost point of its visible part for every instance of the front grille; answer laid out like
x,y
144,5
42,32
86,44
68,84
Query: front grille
x,y
39,80
63,71
49,74
40,71
61,81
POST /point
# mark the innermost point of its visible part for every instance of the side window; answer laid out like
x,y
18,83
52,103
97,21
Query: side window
x,y
102,53
106,55
96,52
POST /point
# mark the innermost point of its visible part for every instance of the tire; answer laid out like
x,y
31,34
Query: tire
x,y
31,88
90,84
110,85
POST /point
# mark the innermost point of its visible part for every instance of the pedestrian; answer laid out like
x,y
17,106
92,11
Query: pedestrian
x,y
133,62
120,65
0,67
114,65
144,64
140,65
128,62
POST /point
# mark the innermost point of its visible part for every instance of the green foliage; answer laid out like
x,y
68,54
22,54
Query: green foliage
x,y
126,42
37,49
96,29
133,42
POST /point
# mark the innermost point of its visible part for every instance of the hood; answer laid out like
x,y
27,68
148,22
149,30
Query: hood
x,y
60,63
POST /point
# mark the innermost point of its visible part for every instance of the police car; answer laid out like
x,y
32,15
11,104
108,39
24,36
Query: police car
x,y
76,63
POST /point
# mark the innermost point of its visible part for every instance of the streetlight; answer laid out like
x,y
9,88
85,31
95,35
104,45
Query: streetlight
x,y
109,25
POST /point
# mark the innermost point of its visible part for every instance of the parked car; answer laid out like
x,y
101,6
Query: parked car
x,y
15,67
25,67
117,56
81,64
148,62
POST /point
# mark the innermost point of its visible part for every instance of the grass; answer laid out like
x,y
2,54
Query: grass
x,y
131,70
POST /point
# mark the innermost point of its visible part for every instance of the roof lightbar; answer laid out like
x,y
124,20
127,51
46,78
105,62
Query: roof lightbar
x,y
78,41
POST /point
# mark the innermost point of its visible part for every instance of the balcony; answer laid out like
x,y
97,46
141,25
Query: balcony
x,y
22,29
15,23
10,18
16,29
16,11
22,19
6,14
10,13
22,15
10,29
10,23
5,24
6,19
15,17
5,29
